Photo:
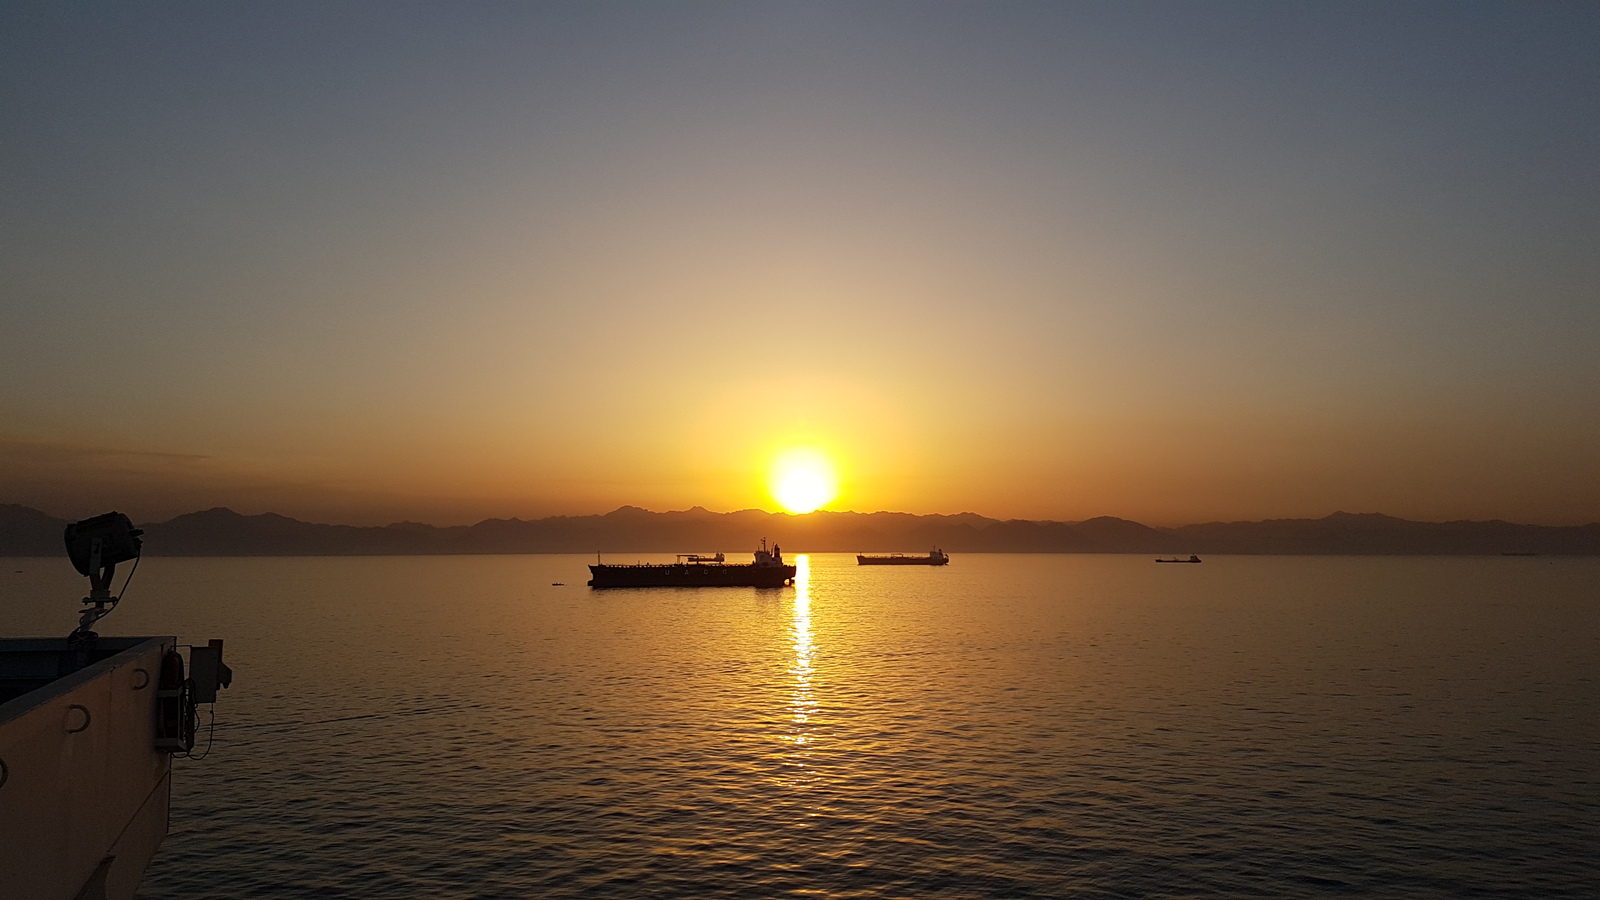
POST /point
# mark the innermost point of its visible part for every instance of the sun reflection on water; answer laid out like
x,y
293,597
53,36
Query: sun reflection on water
x,y
803,704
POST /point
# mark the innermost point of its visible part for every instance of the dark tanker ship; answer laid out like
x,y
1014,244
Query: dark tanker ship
x,y
691,570
936,558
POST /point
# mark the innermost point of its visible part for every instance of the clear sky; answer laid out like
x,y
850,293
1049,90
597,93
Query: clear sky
x,y
1173,261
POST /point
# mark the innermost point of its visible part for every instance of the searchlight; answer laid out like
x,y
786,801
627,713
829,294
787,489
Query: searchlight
x,y
95,546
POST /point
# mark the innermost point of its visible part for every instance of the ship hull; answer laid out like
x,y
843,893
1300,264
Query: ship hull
x,y
902,560
85,797
689,575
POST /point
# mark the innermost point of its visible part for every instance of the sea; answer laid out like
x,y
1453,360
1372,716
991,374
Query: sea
x,y
1011,725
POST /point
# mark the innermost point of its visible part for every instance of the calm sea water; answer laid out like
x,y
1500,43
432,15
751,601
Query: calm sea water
x,y
1009,726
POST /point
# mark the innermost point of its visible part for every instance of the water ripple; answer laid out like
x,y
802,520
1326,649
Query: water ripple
x,y
1011,726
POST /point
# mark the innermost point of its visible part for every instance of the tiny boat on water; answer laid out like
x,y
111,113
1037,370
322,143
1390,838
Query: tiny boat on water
x,y
1191,559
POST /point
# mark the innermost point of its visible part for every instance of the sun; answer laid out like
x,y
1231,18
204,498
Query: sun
x,y
803,480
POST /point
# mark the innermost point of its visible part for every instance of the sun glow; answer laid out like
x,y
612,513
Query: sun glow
x,y
803,480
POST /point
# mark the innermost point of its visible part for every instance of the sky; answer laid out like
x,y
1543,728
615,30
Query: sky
x,y
1175,262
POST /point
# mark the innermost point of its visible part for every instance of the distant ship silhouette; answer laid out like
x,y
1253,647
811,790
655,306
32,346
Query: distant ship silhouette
x,y
694,570
936,558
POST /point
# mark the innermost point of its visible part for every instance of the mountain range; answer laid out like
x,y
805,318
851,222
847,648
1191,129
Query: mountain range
x,y
223,532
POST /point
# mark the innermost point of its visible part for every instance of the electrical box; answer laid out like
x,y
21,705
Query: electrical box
x,y
208,672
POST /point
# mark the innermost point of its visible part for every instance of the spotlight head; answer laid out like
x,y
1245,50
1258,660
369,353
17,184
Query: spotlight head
x,y
99,543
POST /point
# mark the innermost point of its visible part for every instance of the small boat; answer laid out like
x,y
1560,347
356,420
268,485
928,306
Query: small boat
x,y
936,558
695,570
1191,559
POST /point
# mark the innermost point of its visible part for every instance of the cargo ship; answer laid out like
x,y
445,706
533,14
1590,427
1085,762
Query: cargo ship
x,y
694,570
936,558
88,729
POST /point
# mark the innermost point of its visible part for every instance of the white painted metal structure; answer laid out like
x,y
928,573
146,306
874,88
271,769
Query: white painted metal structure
x,y
84,791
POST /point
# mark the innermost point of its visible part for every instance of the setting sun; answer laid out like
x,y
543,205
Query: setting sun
x,y
803,480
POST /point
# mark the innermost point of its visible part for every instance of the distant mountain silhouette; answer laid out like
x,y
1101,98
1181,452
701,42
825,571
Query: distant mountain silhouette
x,y
29,532
1378,534
223,532
629,529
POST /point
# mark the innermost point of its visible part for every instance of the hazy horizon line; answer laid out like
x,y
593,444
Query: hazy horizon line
x,y
701,508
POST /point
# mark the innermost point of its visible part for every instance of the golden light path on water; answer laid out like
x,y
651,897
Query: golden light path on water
x,y
1004,727
803,702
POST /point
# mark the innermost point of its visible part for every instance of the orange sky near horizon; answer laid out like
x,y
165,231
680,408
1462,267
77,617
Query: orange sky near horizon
x,y
1163,262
